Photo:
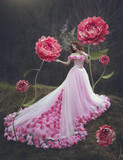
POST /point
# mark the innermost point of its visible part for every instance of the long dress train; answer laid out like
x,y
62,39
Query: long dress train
x,y
58,119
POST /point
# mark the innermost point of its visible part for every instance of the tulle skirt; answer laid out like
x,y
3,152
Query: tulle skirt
x,y
58,119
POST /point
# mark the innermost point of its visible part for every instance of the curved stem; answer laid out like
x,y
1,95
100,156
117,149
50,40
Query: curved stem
x,y
99,78
37,76
90,65
17,113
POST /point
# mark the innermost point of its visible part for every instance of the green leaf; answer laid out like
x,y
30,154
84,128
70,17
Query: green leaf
x,y
29,71
96,55
121,155
108,76
30,102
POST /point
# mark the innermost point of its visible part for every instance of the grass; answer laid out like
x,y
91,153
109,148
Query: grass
x,y
10,100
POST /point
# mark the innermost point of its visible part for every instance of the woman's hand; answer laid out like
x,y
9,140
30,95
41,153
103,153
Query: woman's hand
x,y
57,60
65,63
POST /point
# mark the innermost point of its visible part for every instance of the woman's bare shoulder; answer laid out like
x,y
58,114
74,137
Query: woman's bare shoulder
x,y
75,54
72,54
82,53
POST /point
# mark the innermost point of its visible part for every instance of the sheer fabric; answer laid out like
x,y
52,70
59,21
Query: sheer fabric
x,y
58,119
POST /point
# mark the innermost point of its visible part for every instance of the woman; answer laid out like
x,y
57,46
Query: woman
x,y
58,119
76,49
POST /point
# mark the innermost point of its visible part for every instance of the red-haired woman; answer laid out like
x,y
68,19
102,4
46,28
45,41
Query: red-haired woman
x,y
58,119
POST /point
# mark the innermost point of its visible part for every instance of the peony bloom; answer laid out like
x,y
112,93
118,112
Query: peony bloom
x,y
22,85
47,48
104,59
92,30
105,135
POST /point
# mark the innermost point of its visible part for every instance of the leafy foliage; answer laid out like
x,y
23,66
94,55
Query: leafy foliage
x,y
108,76
28,72
30,102
96,55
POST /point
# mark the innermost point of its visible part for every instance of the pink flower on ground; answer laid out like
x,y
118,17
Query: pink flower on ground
x,y
8,124
5,134
107,99
9,138
30,143
5,118
28,125
11,120
83,137
92,30
105,135
12,134
5,123
44,146
29,138
22,140
35,139
104,59
47,48
41,127
5,130
85,133
10,115
36,143
43,136
37,146
22,85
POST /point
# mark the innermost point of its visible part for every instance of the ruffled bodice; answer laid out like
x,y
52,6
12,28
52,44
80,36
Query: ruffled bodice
x,y
78,60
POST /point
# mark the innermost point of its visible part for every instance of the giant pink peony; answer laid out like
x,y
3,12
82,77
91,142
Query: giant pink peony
x,y
47,48
92,30
105,135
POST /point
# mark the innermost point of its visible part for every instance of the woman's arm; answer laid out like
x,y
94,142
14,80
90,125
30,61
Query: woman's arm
x,y
65,63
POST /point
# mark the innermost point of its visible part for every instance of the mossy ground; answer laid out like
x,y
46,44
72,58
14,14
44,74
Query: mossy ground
x,y
10,100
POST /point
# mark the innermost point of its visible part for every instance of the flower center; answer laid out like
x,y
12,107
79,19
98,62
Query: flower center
x,y
48,47
91,27
104,133
104,58
21,84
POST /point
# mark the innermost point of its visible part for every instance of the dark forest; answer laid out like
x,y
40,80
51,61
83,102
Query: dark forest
x,y
24,22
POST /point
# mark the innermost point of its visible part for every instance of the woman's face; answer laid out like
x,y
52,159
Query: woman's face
x,y
74,47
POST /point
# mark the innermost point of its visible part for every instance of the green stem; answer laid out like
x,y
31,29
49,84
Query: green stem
x,y
36,77
120,152
90,65
17,113
99,78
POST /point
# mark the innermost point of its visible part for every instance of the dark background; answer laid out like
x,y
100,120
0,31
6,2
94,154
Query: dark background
x,y
23,22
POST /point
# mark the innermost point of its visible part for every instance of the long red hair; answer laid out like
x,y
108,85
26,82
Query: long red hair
x,y
78,45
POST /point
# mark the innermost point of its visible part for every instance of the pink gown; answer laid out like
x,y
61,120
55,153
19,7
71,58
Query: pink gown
x,y
58,119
